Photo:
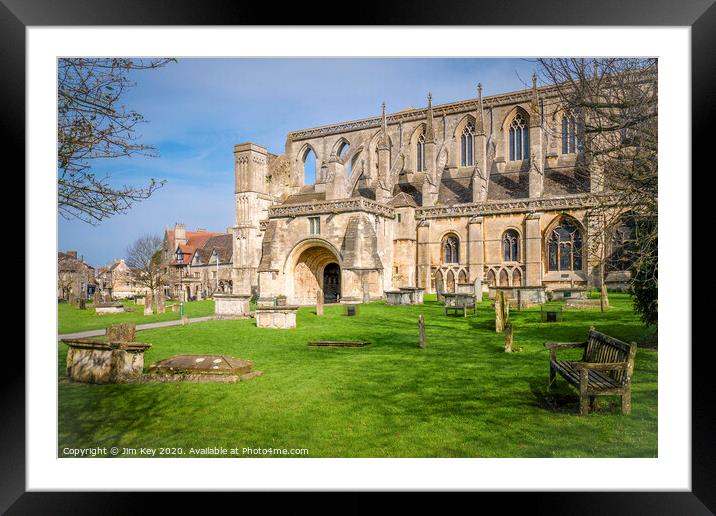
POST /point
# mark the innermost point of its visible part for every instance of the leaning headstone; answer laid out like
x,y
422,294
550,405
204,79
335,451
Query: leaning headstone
x,y
121,333
366,292
82,303
72,299
160,301
148,304
319,303
421,330
604,298
508,338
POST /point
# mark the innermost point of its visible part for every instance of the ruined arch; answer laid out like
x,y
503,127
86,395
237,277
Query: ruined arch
x,y
341,146
301,158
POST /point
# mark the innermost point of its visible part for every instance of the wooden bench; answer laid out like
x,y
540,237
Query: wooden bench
x,y
460,303
605,369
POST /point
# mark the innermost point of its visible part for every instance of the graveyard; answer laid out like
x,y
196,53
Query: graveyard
x,y
370,384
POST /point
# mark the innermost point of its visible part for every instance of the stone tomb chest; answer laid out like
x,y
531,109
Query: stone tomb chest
x,y
521,297
109,308
231,306
282,317
202,368
96,361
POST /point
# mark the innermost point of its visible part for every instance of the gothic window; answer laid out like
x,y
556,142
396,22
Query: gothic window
x,y
621,255
466,145
565,247
510,246
451,249
342,149
569,134
315,225
309,166
420,163
519,139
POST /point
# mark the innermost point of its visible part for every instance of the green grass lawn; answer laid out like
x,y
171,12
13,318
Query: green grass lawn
x,y
71,319
461,397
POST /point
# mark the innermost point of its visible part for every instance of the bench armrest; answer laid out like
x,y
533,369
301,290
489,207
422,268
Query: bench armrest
x,y
563,345
603,366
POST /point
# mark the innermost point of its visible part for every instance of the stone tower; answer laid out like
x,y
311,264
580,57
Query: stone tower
x,y
252,202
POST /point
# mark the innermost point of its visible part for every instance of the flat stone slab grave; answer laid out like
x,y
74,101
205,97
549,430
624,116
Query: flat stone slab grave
x,y
202,368
338,343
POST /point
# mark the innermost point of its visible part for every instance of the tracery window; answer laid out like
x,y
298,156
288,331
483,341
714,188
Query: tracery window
x,y
519,139
466,145
569,134
565,247
420,163
451,249
510,245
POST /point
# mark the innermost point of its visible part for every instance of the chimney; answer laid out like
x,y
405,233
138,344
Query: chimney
x,y
179,233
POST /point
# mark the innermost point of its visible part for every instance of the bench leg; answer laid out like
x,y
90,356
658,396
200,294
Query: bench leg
x,y
626,403
552,375
583,405
594,404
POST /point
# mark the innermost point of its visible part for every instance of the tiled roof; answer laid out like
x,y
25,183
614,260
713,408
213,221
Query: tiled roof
x,y
221,243
455,188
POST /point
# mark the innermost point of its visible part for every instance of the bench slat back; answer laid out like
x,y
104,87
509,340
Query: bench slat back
x,y
602,348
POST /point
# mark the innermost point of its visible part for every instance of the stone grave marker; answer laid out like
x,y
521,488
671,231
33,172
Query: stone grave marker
x,y
121,333
508,338
319,303
421,330
148,304
160,301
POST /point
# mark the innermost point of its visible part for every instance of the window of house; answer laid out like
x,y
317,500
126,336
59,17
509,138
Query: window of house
x,y
420,163
213,274
569,134
565,247
519,139
451,250
466,145
315,225
510,245
399,218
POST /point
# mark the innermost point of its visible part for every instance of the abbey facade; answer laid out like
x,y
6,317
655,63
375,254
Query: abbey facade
x,y
482,191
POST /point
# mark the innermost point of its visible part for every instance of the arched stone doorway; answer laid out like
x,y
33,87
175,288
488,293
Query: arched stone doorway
x,y
313,265
331,283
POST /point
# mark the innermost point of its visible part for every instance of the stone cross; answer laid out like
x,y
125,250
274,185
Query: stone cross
x,y
319,302
148,303
508,338
160,300
421,330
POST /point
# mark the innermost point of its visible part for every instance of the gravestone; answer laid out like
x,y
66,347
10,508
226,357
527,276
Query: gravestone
x,y
319,303
421,330
121,333
478,289
184,319
508,338
96,298
72,299
351,310
82,303
502,311
160,301
175,307
148,304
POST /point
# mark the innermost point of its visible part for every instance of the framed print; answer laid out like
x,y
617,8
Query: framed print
x,y
418,254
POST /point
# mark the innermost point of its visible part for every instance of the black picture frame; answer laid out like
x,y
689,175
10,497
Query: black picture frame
x,y
16,15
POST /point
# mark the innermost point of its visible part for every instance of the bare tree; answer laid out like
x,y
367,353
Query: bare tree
x,y
614,102
93,124
144,261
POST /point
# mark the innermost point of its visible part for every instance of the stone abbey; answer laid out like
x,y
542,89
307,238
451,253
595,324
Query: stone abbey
x,y
482,191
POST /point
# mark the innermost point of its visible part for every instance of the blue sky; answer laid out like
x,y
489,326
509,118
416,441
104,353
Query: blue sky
x,y
197,109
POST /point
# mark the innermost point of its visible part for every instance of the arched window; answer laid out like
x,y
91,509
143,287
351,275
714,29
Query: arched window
x,y
569,134
466,145
342,149
622,246
519,139
309,166
420,149
565,247
510,246
451,249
